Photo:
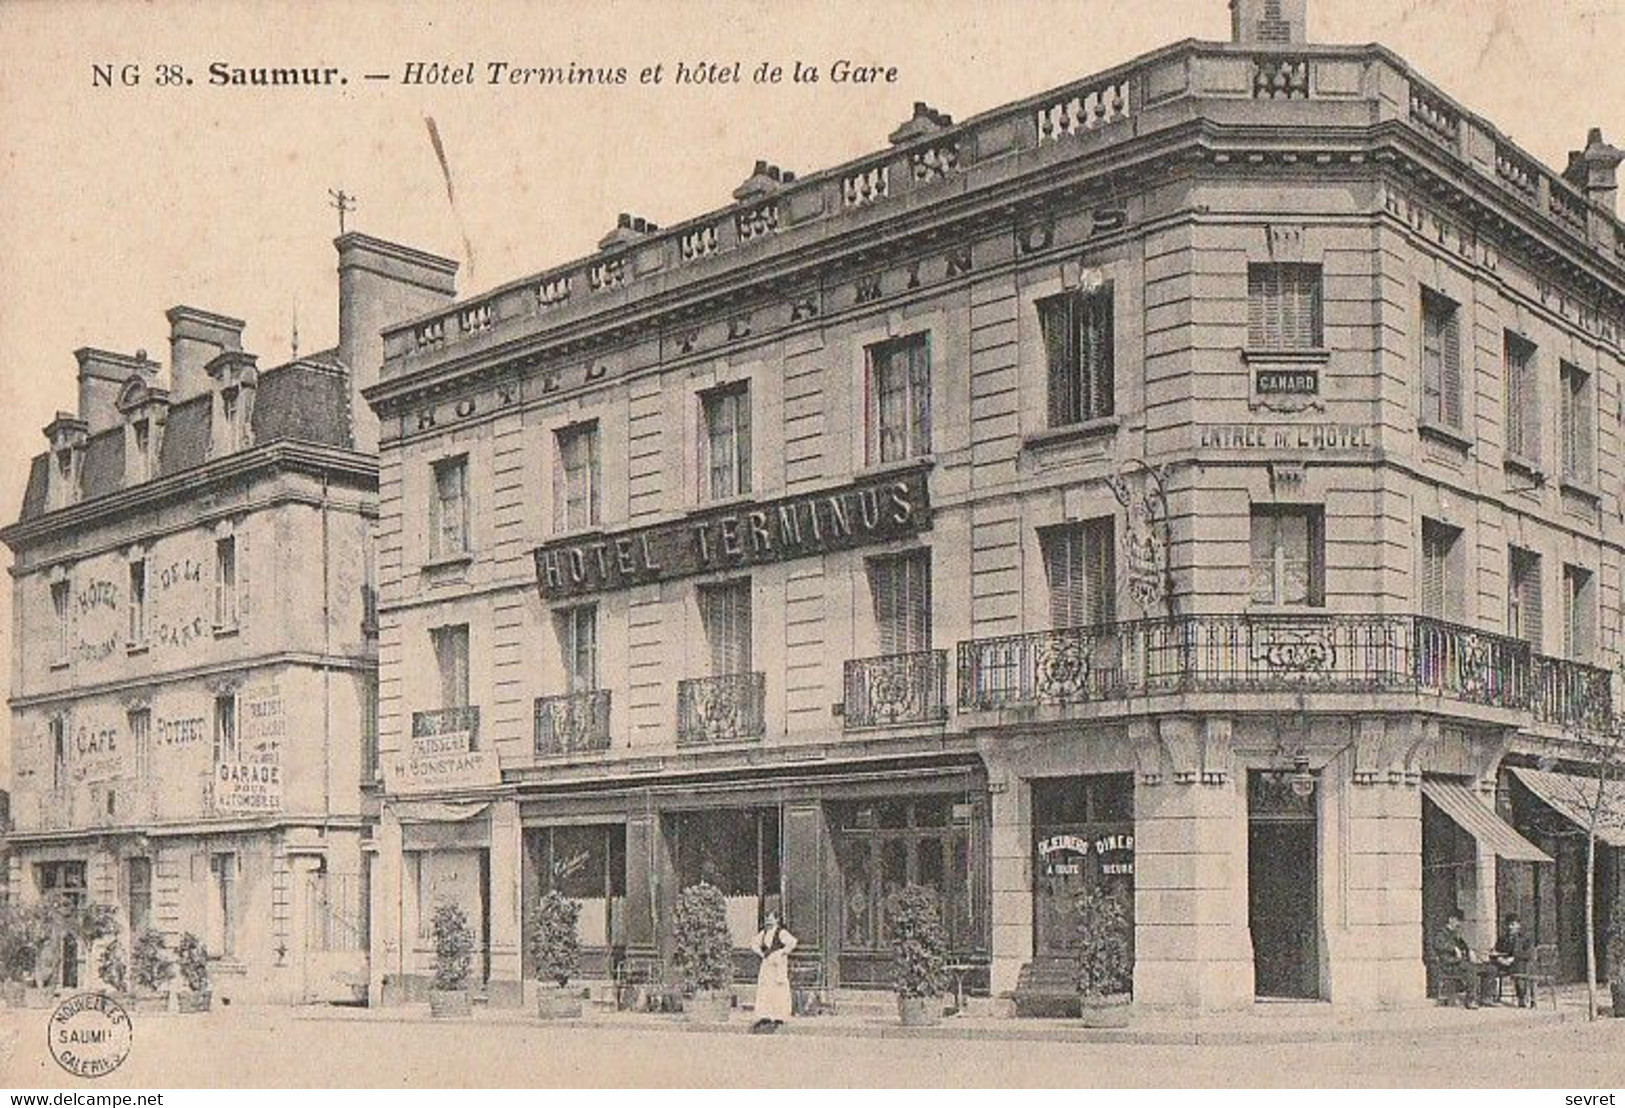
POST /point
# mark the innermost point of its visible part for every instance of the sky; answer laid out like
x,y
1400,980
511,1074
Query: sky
x,y
118,203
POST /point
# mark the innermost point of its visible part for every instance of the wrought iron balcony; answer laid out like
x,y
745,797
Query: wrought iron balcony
x,y
896,688
721,709
574,723
447,721
1263,653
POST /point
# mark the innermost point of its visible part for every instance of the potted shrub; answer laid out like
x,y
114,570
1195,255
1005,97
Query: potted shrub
x,y
1105,961
1616,954
703,953
555,947
453,956
151,969
919,954
21,940
112,968
192,960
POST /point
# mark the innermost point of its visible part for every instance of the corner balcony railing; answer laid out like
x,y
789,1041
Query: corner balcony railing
x,y
1312,651
896,689
575,723
721,709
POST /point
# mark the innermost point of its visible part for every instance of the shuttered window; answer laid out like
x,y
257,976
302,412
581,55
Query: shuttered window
x,y
578,645
1288,556
451,662
1523,596
225,728
1441,576
899,402
1441,360
1080,564
138,882
1578,409
138,601
448,522
576,478
725,614
1078,347
901,588
59,752
1522,398
725,469
1283,306
225,581
1579,614
60,610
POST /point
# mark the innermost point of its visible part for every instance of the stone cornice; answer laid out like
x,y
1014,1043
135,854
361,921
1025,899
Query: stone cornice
x,y
280,456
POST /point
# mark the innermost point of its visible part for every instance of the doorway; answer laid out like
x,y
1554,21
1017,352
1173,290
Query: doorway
x,y
1283,887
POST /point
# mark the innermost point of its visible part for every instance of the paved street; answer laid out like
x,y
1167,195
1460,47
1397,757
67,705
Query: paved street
x,y
271,1047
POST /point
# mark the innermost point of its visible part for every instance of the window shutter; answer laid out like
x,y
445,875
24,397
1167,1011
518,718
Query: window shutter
x,y
1101,567
1433,558
1570,614
742,460
1066,599
594,508
240,557
1260,304
1450,385
919,386
560,490
1533,604
1055,316
1100,347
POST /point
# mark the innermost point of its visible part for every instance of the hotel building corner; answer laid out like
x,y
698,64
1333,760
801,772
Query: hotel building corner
x,y
1203,479
194,666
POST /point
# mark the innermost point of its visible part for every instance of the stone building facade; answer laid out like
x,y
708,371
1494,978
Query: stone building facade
x,y
194,661
1201,481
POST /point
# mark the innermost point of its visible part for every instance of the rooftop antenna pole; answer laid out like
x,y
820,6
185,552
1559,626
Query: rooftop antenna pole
x,y
344,202
294,356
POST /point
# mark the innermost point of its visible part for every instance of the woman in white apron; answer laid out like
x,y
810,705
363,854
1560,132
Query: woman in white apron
x,y
773,945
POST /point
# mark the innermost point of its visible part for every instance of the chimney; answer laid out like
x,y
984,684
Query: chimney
x,y
381,283
1268,22
102,376
196,338
1594,170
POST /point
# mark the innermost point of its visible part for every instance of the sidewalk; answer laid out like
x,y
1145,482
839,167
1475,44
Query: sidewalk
x,y
1264,1023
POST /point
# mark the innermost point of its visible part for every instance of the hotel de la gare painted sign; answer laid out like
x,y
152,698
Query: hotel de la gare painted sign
x,y
871,510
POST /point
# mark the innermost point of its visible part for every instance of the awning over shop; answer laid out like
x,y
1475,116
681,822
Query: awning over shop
x,y
1574,798
1480,821
443,825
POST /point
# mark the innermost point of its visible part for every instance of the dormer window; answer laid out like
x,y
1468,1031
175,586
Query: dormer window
x,y
230,413
142,432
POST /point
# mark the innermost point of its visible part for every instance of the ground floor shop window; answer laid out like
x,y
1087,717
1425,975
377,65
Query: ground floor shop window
x,y
586,863
138,886
460,877
735,849
63,882
1083,838
883,845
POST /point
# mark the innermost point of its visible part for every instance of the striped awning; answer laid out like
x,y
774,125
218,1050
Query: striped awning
x,y
1480,821
1575,797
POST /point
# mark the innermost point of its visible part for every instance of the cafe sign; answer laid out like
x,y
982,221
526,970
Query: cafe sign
x,y
873,510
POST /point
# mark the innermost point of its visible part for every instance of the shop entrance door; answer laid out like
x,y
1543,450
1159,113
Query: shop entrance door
x,y
1083,837
1283,894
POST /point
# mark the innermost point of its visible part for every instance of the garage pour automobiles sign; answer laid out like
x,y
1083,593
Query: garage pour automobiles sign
x,y
872,510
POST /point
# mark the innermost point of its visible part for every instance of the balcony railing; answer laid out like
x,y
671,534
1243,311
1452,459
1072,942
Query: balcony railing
x,y
575,723
896,689
721,709
447,721
1244,653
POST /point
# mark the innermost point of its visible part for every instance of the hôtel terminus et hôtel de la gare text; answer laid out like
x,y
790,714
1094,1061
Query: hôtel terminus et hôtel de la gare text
x,y
1203,479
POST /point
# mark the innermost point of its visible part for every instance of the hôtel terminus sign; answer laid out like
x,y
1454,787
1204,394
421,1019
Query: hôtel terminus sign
x,y
736,535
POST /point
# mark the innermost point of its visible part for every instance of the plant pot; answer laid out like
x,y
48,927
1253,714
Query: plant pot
x,y
708,1006
557,1002
143,1002
450,1004
1104,1011
193,1002
919,1011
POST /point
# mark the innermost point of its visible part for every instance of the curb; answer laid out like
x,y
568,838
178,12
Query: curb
x,y
1018,1030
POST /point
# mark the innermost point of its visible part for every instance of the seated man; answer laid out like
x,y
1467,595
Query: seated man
x,y
1453,959
1513,948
